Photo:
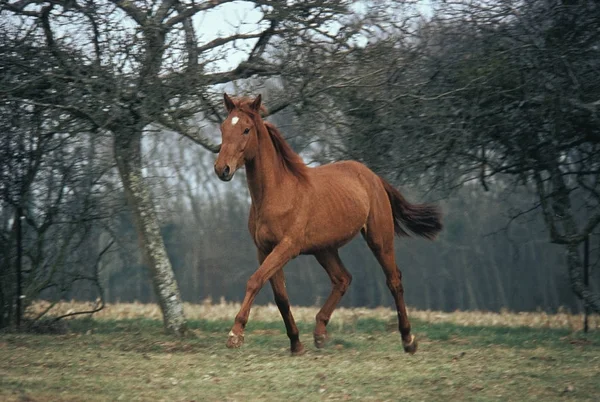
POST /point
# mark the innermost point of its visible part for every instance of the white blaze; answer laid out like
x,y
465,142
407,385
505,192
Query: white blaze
x,y
234,120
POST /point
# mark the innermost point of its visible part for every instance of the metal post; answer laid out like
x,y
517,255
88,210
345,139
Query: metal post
x,y
19,214
586,279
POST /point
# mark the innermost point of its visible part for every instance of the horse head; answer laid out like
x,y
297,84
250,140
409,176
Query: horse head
x,y
239,134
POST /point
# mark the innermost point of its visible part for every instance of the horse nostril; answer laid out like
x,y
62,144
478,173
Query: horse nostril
x,y
226,171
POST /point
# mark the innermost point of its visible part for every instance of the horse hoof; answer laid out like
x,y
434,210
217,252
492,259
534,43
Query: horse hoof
x,y
320,340
235,341
298,350
410,347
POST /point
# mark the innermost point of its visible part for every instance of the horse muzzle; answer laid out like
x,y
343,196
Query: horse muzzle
x,y
224,172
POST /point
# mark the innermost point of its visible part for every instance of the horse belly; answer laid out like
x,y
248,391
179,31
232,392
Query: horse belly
x,y
336,222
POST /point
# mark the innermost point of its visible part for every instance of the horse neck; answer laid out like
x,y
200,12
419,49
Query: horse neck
x,y
264,173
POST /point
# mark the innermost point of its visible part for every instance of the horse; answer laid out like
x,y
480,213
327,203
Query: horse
x,y
297,209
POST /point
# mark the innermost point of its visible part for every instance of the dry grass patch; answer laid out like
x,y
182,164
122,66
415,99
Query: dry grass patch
x,y
341,317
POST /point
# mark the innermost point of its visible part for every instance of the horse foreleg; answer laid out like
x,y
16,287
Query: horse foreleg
x,y
283,303
280,255
340,280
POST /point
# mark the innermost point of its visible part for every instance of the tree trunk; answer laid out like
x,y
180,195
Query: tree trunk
x,y
127,148
561,205
590,298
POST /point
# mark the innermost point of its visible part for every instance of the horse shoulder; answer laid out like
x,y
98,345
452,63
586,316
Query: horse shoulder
x,y
284,217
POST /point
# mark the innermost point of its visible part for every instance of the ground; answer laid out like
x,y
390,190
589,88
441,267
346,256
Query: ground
x,y
120,355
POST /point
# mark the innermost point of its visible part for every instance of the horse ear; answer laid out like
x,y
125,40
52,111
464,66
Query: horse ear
x,y
256,103
229,105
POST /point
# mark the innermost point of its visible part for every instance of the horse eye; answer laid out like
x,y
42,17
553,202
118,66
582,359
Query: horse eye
x,y
246,131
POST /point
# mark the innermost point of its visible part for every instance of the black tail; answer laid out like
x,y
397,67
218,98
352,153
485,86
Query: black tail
x,y
423,220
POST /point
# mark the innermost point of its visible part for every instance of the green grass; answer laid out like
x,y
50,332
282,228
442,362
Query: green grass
x,y
133,360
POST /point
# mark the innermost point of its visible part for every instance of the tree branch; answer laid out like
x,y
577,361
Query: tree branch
x,y
262,41
243,70
131,10
19,7
194,9
222,41
163,10
176,126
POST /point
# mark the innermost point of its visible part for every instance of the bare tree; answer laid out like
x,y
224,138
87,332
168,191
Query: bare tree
x,y
501,93
53,202
123,67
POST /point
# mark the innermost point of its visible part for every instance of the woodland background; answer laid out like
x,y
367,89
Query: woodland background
x,y
109,115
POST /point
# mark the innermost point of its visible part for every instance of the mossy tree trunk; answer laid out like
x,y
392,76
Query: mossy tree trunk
x,y
127,150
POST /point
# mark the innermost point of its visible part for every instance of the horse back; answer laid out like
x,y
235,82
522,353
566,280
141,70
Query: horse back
x,y
339,199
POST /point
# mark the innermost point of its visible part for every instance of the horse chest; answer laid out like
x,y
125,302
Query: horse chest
x,y
263,236
270,228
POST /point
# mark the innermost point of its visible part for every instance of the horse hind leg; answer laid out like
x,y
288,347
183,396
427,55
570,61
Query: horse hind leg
x,y
283,303
340,280
381,243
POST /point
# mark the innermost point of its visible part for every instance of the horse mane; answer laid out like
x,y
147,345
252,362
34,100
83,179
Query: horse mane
x,y
290,160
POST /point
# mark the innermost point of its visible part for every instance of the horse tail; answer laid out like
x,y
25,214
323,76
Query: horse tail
x,y
423,220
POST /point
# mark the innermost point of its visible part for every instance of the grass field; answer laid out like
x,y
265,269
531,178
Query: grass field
x,y
122,354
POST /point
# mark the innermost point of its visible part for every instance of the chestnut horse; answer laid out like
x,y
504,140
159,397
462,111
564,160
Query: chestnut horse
x,y
297,209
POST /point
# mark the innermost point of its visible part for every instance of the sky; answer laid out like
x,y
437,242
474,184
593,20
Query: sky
x,y
226,19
